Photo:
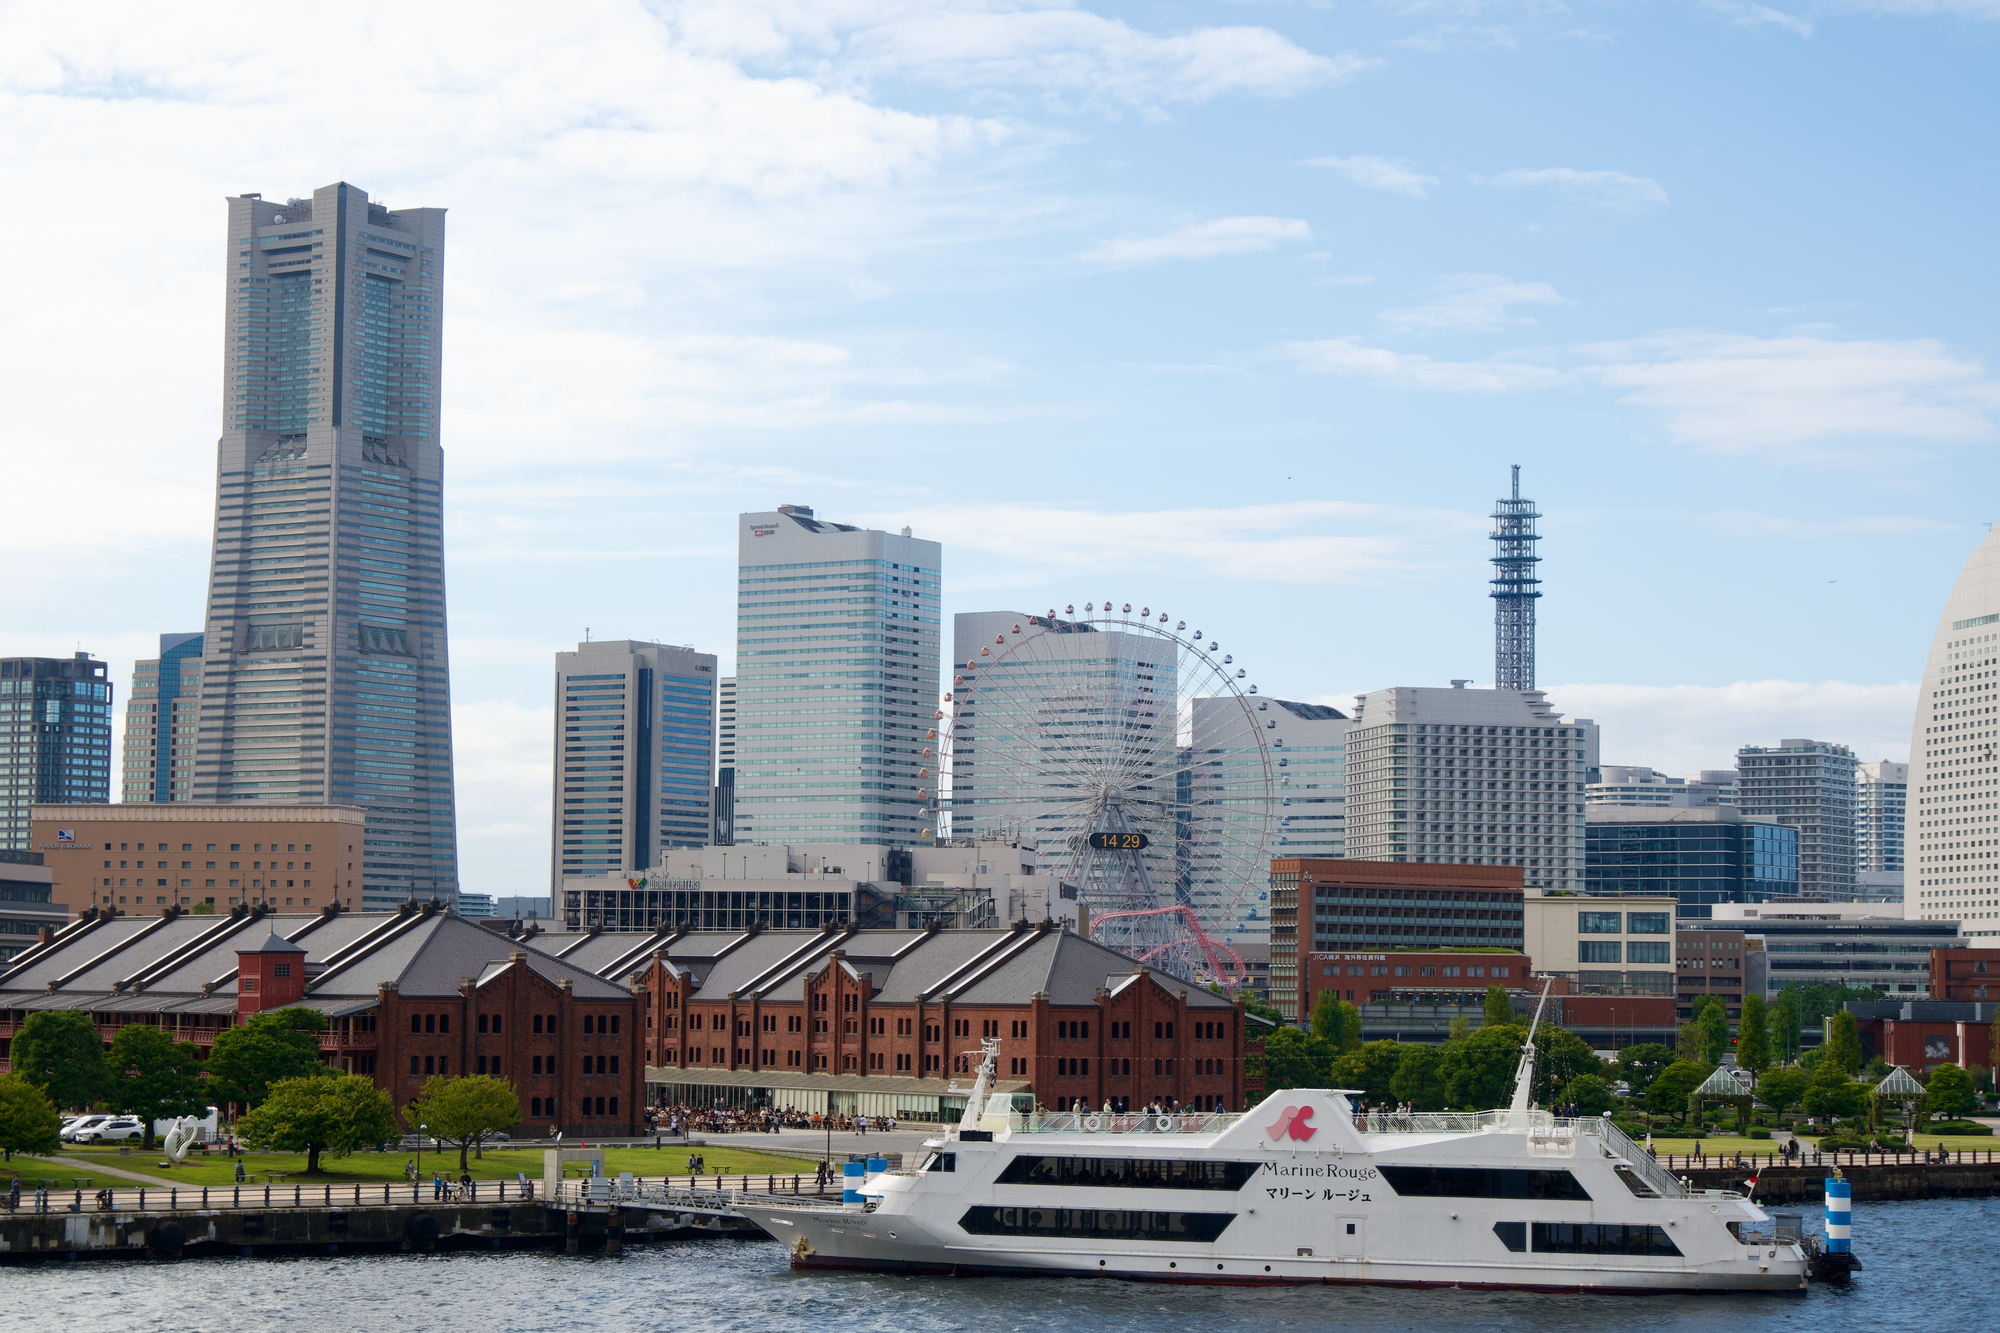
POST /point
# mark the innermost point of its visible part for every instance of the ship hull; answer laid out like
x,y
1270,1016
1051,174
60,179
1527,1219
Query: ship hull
x,y
864,1242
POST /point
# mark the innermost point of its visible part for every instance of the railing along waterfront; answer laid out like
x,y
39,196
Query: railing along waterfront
x,y
701,1191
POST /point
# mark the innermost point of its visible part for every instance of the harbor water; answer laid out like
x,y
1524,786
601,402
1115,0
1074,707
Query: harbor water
x,y
1927,1265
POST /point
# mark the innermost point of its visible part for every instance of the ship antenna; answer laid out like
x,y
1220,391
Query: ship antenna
x,y
1524,1076
989,1065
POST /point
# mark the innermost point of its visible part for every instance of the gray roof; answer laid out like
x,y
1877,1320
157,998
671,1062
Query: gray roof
x,y
1003,966
186,963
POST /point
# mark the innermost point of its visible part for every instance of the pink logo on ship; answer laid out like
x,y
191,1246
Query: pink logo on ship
x,y
1293,1123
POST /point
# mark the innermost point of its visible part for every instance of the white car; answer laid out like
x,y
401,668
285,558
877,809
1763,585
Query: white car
x,y
115,1129
72,1131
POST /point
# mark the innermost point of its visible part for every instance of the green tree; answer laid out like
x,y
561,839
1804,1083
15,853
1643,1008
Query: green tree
x,y
1336,1022
1461,1028
1689,1043
1560,1058
1499,1009
1370,1068
322,1113
1713,1019
28,1120
1418,1080
1784,1024
1295,1059
156,1077
1668,1094
202,909
1478,1069
1591,1094
1753,1035
273,1046
1641,1063
1832,1093
1251,1004
1782,1087
466,1111
1949,1092
60,1052
1843,1043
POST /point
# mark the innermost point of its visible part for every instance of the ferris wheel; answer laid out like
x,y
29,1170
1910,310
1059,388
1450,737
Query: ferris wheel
x,y
1129,751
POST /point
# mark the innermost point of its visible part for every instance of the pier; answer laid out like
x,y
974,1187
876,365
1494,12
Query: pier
x,y
1875,1176
579,1214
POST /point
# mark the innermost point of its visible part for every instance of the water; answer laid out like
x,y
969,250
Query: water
x,y
1925,1270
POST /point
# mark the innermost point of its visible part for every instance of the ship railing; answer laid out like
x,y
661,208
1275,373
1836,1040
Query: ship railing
x,y
1539,1124
1619,1144
1121,1122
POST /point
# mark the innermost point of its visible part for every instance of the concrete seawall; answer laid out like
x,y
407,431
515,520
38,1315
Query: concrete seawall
x,y
27,1236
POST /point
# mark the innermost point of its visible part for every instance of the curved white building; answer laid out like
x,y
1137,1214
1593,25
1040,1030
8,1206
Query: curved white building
x,y
1953,866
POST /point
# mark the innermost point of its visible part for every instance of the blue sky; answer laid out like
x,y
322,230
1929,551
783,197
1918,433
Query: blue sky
x,y
1237,309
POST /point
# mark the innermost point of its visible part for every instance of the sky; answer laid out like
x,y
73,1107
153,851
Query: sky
x,y
1242,310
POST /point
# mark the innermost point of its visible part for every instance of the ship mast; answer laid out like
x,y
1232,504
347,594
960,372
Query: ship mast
x,y
1524,1074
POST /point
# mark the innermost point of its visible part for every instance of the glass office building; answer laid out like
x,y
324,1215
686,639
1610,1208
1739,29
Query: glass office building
x,y
1699,862
55,717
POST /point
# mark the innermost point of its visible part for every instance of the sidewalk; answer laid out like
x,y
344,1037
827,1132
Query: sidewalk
x,y
92,1168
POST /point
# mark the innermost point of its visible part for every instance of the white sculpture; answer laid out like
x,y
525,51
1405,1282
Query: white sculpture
x,y
187,1132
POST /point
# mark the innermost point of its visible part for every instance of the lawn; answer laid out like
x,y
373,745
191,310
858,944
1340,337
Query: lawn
x,y
1715,1145
373,1167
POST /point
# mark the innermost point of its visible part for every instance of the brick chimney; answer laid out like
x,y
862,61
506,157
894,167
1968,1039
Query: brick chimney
x,y
270,976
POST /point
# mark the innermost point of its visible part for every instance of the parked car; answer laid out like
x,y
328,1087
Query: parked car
x,y
81,1125
115,1129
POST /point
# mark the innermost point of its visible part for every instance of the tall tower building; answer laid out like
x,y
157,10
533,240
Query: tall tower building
x,y
1515,590
55,716
325,676
1807,785
635,749
160,723
837,638
1953,869
1469,777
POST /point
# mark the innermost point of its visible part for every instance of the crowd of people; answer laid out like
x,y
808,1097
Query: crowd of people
x,y
680,1119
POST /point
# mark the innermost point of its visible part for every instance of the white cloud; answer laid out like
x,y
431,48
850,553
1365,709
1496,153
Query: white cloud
x,y
1389,175
1459,37
1045,46
1680,728
503,757
1741,394
1612,190
1979,9
1754,15
1202,240
1306,541
1356,360
1469,301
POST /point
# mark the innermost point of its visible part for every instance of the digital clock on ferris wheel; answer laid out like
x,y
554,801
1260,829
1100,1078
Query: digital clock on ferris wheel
x,y
1119,842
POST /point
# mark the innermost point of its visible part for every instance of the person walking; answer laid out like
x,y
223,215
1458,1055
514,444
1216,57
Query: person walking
x,y
14,1194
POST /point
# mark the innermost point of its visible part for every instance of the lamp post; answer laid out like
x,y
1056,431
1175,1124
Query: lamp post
x,y
421,1130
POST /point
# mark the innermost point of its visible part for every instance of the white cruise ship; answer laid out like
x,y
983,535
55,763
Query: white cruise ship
x,y
1298,1190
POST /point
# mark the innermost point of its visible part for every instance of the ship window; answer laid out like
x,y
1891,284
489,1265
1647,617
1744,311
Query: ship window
x,y
1095,1223
1514,1235
1477,1182
1130,1173
941,1161
1594,1238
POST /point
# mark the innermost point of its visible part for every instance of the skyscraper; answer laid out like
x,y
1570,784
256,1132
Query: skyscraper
x,y
1881,794
837,638
1807,785
1515,589
55,719
160,723
325,675
634,753
1469,777
725,762
1953,870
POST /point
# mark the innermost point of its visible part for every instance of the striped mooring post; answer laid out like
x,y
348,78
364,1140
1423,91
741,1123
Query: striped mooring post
x,y
1839,1216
